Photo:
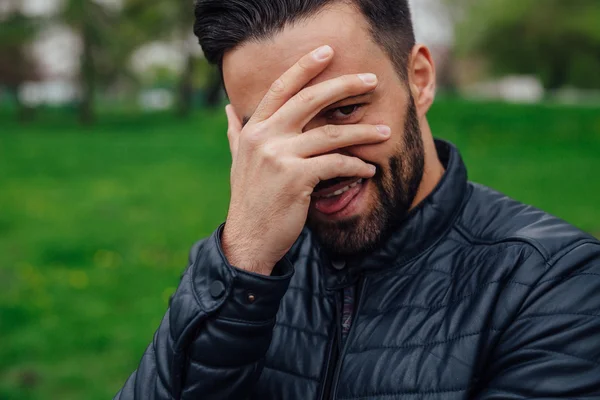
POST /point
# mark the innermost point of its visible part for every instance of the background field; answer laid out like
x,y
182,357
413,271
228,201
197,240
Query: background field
x,y
95,223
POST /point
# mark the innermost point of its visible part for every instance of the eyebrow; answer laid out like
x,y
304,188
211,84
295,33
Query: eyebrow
x,y
246,119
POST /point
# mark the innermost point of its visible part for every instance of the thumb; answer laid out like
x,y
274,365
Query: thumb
x,y
234,128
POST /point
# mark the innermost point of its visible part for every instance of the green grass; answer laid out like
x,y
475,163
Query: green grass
x,y
95,223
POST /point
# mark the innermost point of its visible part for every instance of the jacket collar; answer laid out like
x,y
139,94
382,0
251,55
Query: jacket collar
x,y
422,228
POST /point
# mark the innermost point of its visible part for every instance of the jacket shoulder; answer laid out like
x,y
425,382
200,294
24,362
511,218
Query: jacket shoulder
x,y
490,217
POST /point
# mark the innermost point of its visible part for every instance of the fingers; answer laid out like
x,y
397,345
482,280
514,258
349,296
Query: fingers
x,y
332,137
234,127
292,81
305,105
330,166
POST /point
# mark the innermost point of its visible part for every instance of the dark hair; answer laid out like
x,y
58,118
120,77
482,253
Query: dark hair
x,y
222,25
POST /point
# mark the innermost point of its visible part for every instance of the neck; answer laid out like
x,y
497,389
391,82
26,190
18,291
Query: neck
x,y
433,169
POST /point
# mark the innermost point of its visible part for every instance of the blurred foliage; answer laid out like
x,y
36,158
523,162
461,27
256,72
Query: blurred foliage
x,y
16,64
557,40
95,228
108,38
93,23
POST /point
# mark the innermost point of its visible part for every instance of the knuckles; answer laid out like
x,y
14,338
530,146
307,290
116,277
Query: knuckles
x,y
305,96
278,87
339,162
332,132
254,135
253,138
270,153
271,156
265,150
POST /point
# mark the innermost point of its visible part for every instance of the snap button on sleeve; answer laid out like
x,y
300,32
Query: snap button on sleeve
x,y
251,298
338,265
217,289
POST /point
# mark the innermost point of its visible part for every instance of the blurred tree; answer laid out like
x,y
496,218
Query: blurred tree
x,y
109,37
184,23
214,89
140,22
557,40
16,64
94,24
173,20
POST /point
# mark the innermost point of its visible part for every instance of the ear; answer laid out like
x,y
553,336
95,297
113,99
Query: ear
x,y
422,78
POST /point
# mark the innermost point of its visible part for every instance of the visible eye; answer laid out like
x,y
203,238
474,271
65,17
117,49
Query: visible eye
x,y
343,113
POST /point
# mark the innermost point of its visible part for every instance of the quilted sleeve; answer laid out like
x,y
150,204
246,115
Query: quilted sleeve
x,y
215,334
552,348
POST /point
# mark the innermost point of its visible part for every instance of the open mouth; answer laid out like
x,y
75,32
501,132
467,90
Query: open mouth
x,y
330,183
335,195
335,187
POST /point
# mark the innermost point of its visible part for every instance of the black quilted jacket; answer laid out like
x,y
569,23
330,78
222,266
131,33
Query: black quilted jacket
x,y
476,296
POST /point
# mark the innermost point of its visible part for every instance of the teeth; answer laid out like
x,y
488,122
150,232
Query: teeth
x,y
338,192
343,190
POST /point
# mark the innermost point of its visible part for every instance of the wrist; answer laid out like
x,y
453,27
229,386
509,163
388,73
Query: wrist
x,y
240,255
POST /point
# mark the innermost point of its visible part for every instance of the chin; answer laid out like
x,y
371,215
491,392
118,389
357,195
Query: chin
x,y
351,235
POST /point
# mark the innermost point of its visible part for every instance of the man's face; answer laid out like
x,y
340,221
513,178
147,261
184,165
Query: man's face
x,y
377,204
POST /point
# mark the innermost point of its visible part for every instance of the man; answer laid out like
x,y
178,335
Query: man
x,y
357,261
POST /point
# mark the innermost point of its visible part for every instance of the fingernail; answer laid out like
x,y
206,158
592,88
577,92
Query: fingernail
x,y
373,168
369,79
384,130
322,53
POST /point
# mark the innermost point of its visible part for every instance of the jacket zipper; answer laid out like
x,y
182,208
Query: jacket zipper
x,y
334,351
331,384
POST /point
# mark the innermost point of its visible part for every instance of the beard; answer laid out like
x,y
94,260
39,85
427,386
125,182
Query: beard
x,y
396,187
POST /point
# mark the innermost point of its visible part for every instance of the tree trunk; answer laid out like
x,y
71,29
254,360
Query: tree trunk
x,y
186,88
87,79
446,71
214,89
24,112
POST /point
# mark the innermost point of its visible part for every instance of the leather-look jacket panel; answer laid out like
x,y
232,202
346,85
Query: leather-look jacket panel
x,y
475,296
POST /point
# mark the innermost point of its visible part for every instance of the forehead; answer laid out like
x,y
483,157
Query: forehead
x,y
250,69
